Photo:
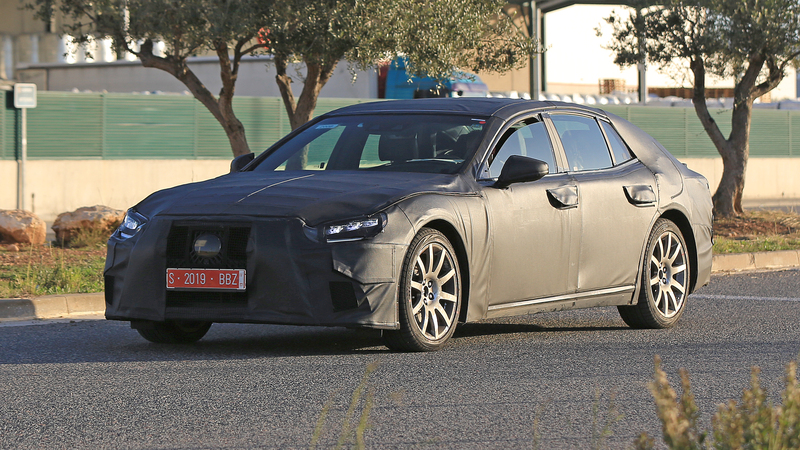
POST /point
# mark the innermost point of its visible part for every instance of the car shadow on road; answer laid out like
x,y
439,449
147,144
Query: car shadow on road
x,y
101,341
495,329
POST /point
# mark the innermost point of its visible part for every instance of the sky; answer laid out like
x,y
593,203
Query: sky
x,y
573,46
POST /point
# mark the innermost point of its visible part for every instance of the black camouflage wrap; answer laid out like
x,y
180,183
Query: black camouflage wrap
x,y
512,244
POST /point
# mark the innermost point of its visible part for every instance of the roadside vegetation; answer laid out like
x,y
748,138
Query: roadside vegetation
x,y
54,269
752,423
757,231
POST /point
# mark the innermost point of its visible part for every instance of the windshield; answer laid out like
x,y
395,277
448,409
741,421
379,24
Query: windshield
x,y
397,143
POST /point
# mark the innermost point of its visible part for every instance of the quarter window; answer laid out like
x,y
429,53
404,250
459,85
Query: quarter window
x,y
618,147
527,138
583,142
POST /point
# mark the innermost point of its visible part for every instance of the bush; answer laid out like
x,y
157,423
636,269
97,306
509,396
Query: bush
x,y
753,423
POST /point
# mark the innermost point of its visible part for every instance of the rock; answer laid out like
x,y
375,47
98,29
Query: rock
x,y
89,218
11,248
23,227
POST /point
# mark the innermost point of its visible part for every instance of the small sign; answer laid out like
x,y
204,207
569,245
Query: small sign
x,y
24,95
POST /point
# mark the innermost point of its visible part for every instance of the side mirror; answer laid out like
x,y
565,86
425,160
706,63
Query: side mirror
x,y
520,169
240,161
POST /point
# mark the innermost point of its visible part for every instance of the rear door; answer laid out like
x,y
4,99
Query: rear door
x,y
617,200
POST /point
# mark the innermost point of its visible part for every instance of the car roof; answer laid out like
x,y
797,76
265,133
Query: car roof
x,y
503,108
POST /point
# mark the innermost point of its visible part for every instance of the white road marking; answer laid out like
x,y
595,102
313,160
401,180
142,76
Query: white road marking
x,y
741,297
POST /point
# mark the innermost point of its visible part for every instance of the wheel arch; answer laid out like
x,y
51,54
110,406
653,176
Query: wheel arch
x,y
679,219
452,235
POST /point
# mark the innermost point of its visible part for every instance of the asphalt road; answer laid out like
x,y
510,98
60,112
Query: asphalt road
x,y
97,384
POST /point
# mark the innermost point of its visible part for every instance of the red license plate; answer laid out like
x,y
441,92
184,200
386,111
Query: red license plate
x,y
214,279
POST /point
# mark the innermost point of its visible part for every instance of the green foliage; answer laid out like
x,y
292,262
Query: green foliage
x,y
753,41
185,26
436,37
724,33
753,423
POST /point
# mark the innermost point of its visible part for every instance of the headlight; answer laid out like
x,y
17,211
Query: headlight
x,y
354,230
131,224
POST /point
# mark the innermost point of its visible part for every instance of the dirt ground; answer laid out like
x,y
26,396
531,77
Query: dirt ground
x,y
758,223
50,256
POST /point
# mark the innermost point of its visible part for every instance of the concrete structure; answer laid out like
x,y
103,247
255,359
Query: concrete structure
x,y
56,186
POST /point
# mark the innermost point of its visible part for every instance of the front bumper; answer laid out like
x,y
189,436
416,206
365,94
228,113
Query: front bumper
x,y
290,279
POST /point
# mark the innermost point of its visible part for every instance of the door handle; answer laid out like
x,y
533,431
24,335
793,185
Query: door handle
x,y
564,196
640,194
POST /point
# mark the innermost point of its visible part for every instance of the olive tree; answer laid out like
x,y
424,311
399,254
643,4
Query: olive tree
x,y
751,41
187,28
436,38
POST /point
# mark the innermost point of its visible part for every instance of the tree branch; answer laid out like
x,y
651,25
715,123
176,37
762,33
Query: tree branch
x,y
284,84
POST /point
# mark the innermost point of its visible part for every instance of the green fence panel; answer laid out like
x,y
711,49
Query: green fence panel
x,y
66,125
698,143
769,133
6,151
148,127
667,125
8,128
134,126
794,133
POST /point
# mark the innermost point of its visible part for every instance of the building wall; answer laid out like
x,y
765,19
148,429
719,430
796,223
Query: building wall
x,y
256,78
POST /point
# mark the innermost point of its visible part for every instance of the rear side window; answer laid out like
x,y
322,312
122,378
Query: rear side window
x,y
618,147
583,142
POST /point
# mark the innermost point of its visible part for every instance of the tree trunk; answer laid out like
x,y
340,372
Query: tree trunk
x,y
221,108
317,75
301,111
736,149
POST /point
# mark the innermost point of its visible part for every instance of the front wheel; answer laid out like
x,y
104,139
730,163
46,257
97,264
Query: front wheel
x,y
664,281
429,295
172,332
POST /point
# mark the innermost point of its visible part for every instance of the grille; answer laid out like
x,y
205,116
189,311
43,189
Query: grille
x,y
233,255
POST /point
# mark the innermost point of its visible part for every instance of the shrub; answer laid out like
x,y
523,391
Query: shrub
x,y
753,423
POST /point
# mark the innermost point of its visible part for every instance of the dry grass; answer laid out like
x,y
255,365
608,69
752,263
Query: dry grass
x,y
752,423
37,270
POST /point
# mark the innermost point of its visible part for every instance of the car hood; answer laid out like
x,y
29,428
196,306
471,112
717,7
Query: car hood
x,y
314,197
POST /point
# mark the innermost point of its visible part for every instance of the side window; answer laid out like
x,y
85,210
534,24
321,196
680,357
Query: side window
x,y
528,138
583,142
618,147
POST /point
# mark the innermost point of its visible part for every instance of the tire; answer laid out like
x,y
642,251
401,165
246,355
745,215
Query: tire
x,y
664,282
429,295
173,332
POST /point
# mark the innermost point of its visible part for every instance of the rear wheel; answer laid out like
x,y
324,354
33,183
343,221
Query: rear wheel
x,y
664,283
172,332
429,294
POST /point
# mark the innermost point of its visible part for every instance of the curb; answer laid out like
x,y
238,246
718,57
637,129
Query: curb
x,y
740,262
57,306
51,306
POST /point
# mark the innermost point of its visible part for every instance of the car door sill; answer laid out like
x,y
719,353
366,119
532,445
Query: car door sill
x,y
558,298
